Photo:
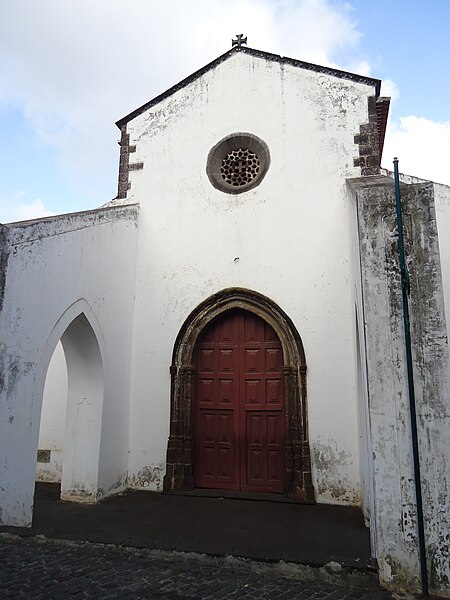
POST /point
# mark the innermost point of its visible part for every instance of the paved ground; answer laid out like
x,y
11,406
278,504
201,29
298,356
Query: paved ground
x,y
38,569
146,545
271,531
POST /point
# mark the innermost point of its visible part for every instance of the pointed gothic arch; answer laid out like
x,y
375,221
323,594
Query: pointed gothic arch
x,y
180,451
80,335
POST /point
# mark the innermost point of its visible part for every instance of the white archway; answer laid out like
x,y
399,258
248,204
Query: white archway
x,y
83,411
22,392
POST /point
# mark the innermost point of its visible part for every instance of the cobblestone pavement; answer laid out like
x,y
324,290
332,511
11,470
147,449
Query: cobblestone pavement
x,y
39,568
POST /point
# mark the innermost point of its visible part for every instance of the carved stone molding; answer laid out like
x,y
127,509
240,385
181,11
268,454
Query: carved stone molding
x,y
180,451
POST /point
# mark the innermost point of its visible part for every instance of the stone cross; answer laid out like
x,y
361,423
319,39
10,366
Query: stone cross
x,y
240,40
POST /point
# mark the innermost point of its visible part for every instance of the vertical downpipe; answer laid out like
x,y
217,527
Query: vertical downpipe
x,y
412,399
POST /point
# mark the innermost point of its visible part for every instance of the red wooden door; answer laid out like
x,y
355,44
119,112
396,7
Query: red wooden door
x,y
239,420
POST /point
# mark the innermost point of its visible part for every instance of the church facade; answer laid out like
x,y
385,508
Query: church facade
x,y
233,319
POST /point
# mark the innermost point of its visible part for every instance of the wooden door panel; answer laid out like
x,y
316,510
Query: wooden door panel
x,y
274,430
253,392
225,391
225,431
274,360
205,391
254,472
207,428
274,392
205,360
270,335
227,360
255,426
253,362
265,452
215,449
253,329
208,466
274,472
239,425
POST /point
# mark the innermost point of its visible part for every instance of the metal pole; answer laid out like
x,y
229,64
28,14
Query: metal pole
x,y
412,398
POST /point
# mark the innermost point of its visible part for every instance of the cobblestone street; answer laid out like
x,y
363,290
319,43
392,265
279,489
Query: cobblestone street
x,y
37,568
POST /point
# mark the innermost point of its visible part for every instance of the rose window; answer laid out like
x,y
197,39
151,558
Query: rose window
x,y
240,167
238,163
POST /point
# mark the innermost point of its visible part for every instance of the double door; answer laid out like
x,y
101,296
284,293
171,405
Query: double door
x,y
239,406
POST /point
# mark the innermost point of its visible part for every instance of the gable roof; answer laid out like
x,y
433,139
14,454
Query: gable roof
x,y
259,54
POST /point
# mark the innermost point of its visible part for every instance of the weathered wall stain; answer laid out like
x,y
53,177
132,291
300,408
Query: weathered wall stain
x,y
4,254
330,464
148,477
118,485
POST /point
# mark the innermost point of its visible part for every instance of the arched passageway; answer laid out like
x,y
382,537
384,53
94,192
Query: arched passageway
x,y
53,419
79,413
184,468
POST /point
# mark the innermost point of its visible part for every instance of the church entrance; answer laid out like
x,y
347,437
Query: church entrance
x,y
238,414
239,405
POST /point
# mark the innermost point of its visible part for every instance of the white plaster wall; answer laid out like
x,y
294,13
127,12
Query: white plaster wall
x,y
394,524
53,417
58,267
442,207
442,204
291,234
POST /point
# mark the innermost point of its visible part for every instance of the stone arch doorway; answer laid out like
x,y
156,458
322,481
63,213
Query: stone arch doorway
x,y
180,451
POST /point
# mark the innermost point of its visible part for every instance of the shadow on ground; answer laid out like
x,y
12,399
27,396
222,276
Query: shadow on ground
x,y
264,531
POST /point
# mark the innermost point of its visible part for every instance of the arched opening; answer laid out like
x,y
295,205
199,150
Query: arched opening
x,y
180,451
53,420
70,426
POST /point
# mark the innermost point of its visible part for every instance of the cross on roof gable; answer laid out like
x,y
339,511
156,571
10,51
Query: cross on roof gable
x,y
260,54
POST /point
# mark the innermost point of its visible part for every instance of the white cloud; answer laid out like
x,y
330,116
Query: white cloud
x,y
422,147
390,89
13,210
32,210
313,30
75,67
362,67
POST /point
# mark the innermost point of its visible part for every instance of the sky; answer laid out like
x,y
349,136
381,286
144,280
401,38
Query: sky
x,y
69,69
